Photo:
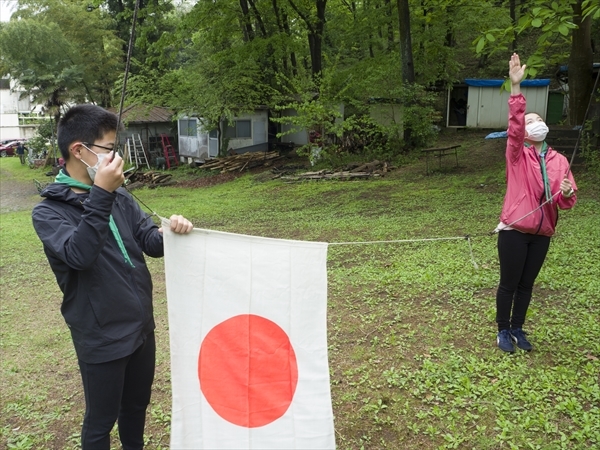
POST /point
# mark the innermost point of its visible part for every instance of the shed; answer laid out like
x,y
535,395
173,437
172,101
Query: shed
x,y
245,133
291,134
480,103
149,122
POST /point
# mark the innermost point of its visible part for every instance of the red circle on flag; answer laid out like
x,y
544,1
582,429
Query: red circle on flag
x,y
247,370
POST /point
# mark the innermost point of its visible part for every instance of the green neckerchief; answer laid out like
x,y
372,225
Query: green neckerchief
x,y
547,191
63,178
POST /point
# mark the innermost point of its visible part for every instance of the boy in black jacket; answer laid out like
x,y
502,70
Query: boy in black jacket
x,y
94,237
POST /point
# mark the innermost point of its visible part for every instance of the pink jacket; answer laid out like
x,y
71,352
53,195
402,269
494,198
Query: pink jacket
x,y
524,183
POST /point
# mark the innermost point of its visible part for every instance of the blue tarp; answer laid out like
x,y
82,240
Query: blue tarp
x,y
491,83
497,135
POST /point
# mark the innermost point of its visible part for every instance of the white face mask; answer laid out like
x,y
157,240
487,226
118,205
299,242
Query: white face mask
x,y
91,170
536,131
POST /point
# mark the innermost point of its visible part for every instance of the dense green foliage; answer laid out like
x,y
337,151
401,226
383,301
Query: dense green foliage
x,y
71,55
220,59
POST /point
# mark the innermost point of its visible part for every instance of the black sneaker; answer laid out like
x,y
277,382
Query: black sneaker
x,y
520,339
504,341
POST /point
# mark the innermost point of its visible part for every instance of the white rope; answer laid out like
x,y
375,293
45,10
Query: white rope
x,y
467,238
399,241
471,250
528,214
396,241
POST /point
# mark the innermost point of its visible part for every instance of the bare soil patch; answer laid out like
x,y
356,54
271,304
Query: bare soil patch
x,y
16,195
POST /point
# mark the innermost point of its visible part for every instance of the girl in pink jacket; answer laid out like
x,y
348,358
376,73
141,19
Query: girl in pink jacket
x,y
535,175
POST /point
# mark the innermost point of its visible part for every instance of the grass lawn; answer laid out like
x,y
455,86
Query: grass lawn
x,y
411,329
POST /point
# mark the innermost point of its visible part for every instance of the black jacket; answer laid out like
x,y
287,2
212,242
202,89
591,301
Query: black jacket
x,y
107,303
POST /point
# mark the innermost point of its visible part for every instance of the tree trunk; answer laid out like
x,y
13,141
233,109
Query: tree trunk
x,y
580,67
286,26
513,18
390,27
258,18
247,29
315,35
408,70
316,52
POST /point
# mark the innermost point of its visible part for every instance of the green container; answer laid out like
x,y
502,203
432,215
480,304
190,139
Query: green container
x,y
554,113
161,163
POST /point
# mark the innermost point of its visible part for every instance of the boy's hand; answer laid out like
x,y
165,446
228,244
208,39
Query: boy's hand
x,y
179,224
515,70
110,173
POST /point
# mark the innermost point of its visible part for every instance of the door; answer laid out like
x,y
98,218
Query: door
x,y
259,130
213,143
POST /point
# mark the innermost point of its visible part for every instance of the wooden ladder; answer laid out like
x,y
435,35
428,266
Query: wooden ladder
x,y
168,151
137,154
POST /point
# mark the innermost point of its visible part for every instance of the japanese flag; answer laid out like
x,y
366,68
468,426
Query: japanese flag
x,y
247,320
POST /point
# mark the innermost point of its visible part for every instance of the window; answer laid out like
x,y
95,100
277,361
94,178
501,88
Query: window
x,y
188,127
241,129
4,83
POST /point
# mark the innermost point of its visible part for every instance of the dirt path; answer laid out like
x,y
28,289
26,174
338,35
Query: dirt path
x,y
16,195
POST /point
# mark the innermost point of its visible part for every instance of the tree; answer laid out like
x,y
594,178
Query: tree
x,y
91,51
563,34
284,50
154,19
45,71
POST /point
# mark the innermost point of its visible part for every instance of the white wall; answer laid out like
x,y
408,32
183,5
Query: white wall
x,y
298,137
257,137
10,107
194,147
487,107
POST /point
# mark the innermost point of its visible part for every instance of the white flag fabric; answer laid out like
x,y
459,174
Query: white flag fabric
x,y
248,334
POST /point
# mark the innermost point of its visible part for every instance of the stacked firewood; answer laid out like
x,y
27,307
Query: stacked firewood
x,y
151,179
241,162
351,172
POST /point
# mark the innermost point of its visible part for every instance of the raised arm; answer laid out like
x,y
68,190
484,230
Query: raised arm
x,y
516,73
516,111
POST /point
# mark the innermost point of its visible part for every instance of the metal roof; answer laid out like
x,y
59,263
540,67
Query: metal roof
x,y
144,114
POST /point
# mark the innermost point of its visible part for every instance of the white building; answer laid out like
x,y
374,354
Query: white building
x,y
17,121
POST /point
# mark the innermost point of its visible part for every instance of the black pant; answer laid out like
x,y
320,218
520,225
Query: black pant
x,y
521,258
118,390
22,158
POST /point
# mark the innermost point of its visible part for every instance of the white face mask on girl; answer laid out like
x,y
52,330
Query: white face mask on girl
x,y
91,170
536,131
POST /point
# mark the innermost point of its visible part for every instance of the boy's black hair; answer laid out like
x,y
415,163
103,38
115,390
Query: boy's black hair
x,y
84,123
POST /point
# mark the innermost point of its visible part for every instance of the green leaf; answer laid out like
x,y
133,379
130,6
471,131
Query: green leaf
x,y
523,21
536,23
490,37
480,45
563,29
